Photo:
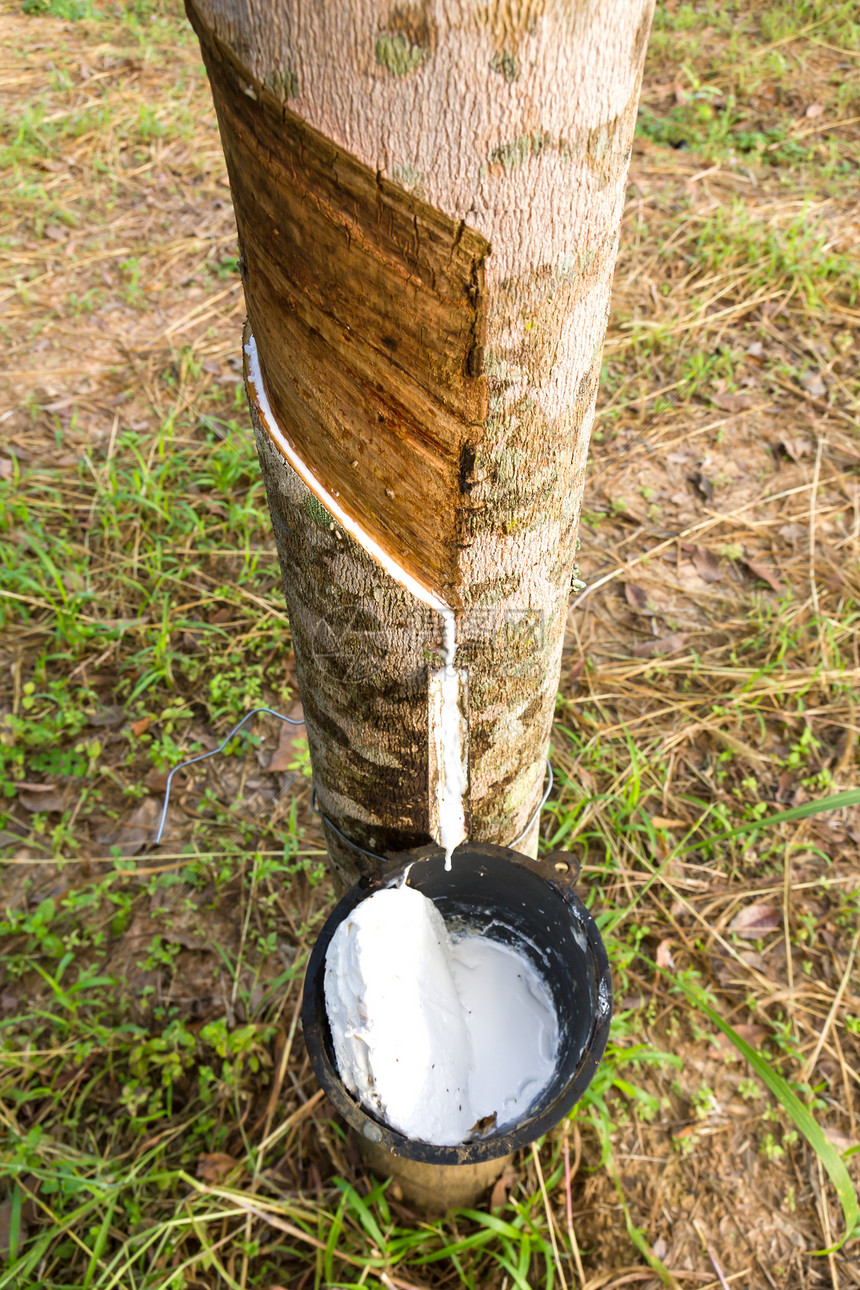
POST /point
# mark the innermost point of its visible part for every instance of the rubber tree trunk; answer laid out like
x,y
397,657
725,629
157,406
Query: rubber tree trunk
x,y
428,197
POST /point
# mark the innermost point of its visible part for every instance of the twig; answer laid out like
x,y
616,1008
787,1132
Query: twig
x,y
549,1216
843,985
825,1223
813,129
719,1271
574,1244
393,1284
711,1255
786,912
812,585
709,523
276,1086
297,1115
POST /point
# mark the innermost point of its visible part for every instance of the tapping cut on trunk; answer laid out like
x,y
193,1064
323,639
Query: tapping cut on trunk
x,y
428,201
367,309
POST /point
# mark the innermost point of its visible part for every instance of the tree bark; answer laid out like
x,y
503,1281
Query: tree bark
x,y
428,197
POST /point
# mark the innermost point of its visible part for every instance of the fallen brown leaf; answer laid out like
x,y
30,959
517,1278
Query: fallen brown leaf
x,y
754,1036
140,727
503,1186
660,822
156,780
635,596
706,564
733,402
134,833
586,780
764,574
751,1033
755,921
785,784
41,802
111,716
795,447
814,385
841,1141
664,645
664,955
703,485
215,1166
288,744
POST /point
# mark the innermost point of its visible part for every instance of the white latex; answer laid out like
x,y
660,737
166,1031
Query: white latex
x,y
448,723
329,501
434,1036
395,1016
512,1026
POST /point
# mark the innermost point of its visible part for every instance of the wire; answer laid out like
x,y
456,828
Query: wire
x,y
541,804
371,855
202,757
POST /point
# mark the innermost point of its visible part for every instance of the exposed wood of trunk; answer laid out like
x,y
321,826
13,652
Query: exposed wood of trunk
x,y
428,200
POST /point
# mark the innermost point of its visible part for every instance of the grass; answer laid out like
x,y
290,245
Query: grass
x,y
728,79
162,1127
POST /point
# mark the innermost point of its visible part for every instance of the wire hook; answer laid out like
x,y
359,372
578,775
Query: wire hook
x,y
541,804
292,721
202,757
373,855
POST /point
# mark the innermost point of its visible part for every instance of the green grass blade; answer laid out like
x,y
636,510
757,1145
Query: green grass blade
x,y
100,1242
851,797
15,1223
357,1206
516,1275
17,1273
637,1236
331,1243
803,1119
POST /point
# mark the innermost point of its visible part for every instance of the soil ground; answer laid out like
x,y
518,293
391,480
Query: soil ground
x,y
163,1127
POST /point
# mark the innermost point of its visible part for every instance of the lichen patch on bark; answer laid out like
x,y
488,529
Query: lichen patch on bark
x,y
282,82
395,53
506,64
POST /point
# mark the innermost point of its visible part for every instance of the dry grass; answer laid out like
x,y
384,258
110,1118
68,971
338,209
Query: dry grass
x,y
711,677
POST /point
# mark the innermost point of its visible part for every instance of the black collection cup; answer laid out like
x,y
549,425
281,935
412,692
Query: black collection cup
x,y
528,904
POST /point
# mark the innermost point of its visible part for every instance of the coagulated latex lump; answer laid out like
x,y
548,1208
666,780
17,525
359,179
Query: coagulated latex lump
x,y
397,1024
